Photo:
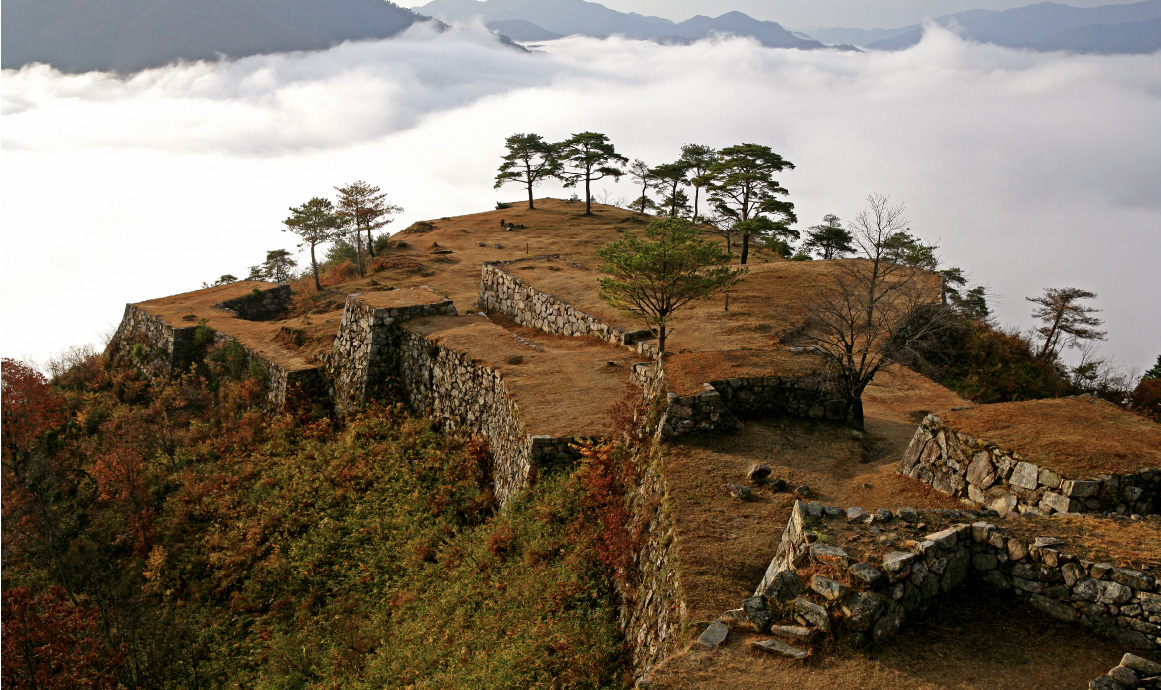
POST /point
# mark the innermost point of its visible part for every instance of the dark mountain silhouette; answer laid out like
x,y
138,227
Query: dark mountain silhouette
x,y
569,17
131,35
1047,26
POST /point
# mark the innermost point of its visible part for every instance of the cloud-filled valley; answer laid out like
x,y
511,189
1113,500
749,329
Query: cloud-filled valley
x,y
1030,169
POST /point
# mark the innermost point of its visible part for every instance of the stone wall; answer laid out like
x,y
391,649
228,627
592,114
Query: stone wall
x,y
503,292
260,305
164,349
868,584
363,358
450,387
652,615
987,475
723,402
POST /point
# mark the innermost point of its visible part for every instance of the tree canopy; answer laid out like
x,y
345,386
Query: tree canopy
x,y
1065,322
364,208
654,276
697,160
829,239
530,160
877,308
588,157
742,185
316,222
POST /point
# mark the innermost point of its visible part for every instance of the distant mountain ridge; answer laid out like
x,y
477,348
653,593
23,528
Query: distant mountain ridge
x,y
1129,28
131,35
572,17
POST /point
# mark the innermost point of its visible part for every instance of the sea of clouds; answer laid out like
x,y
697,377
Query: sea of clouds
x,y
1030,170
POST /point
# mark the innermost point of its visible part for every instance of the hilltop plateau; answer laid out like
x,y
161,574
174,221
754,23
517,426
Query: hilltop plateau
x,y
466,469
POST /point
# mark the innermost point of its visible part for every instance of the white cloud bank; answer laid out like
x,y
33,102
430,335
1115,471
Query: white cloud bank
x,y
1032,170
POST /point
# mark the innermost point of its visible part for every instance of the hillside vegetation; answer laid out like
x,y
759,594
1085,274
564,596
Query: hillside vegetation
x,y
175,534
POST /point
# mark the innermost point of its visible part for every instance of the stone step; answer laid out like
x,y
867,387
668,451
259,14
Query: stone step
x,y
794,633
779,648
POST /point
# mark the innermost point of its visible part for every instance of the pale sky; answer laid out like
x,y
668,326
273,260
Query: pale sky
x,y
794,14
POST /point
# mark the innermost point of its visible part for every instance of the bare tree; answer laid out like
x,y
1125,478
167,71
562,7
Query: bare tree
x,y
876,308
1066,322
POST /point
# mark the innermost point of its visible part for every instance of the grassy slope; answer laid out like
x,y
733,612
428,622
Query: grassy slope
x,y
285,552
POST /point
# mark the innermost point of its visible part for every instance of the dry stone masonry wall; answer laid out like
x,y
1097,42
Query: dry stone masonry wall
x,y
652,612
364,358
967,467
503,292
867,572
260,304
723,402
164,348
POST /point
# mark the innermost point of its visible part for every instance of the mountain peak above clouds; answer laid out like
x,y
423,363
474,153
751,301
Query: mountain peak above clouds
x,y
572,17
131,35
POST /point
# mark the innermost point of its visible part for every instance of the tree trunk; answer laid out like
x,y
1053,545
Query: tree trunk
x,y
314,267
660,340
588,197
745,247
530,206
855,412
359,250
370,244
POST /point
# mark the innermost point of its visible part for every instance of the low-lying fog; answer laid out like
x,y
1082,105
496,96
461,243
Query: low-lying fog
x,y
1030,170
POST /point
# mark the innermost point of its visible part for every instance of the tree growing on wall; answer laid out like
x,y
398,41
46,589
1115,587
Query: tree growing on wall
x,y
530,160
655,276
1065,322
742,185
588,157
364,208
316,222
876,309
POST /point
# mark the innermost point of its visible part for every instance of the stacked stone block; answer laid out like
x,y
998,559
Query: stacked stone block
x,y
260,304
964,466
503,292
871,595
364,358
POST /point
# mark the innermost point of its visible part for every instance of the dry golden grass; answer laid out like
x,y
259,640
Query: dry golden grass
x,y
1134,544
265,337
1077,437
972,640
566,387
687,371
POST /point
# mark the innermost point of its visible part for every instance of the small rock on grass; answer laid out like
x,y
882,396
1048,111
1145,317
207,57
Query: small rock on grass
x,y
714,635
758,472
803,491
738,491
780,648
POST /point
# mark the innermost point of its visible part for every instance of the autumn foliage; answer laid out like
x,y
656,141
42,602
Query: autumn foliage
x,y
178,533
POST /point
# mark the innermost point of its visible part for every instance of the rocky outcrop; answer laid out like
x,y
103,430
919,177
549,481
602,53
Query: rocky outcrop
x,y
869,584
977,470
